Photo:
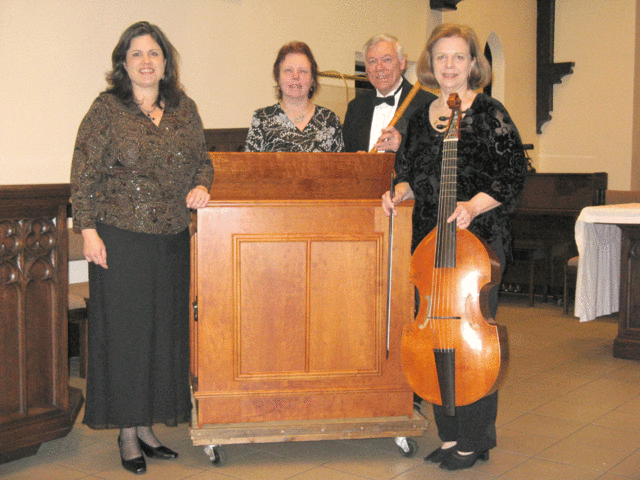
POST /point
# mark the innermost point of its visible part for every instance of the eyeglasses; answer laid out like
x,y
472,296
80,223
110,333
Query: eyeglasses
x,y
290,72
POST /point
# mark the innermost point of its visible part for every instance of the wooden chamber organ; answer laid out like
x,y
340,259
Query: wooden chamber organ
x,y
289,286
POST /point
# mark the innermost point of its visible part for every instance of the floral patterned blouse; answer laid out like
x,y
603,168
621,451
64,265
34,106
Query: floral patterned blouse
x,y
490,160
272,131
129,173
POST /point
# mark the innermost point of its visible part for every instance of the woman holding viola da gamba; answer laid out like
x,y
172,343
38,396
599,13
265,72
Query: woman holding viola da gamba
x,y
491,171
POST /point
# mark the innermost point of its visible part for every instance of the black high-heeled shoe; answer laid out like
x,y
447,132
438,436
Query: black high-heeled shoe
x,y
157,452
455,461
439,454
135,465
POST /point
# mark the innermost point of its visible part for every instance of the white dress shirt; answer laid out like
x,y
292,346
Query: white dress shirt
x,y
382,115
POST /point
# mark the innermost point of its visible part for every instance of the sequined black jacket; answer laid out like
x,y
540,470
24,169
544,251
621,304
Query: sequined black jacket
x,y
490,160
129,173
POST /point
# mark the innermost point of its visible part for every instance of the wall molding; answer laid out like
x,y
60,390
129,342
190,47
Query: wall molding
x,y
548,72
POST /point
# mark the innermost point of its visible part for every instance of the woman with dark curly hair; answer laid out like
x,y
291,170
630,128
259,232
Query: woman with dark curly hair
x,y
491,168
295,124
140,165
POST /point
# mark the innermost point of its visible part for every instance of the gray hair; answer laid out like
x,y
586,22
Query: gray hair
x,y
383,37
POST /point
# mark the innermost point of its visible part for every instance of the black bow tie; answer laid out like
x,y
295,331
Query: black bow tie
x,y
391,100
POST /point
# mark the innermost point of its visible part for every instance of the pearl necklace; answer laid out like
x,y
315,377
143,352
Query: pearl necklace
x,y
300,117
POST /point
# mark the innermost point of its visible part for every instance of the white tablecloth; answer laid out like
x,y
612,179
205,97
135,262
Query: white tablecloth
x,y
598,241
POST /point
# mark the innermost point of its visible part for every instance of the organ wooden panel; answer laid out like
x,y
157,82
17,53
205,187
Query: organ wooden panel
x,y
291,292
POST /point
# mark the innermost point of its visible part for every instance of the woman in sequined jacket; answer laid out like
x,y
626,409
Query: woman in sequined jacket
x,y
139,167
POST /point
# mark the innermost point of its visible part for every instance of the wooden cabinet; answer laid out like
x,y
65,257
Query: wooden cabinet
x,y
36,402
627,343
290,281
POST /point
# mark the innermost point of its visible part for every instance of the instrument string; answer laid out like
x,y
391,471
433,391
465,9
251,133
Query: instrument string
x,y
445,259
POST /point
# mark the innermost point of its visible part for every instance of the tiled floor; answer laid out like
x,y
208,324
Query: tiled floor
x,y
568,411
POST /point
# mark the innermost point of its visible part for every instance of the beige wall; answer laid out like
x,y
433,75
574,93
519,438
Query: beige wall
x,y
55,54
635,151
591,129
594,126
513,22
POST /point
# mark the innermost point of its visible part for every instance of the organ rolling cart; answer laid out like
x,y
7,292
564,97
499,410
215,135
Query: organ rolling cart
x,y
289,295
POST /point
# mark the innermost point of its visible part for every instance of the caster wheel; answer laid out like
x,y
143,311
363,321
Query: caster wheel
x,y
412,448
220,457
217,455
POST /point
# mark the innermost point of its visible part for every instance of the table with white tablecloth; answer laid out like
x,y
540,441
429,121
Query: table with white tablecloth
x,y
607,238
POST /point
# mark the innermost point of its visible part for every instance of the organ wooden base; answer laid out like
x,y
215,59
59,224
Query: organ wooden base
x,y
290,283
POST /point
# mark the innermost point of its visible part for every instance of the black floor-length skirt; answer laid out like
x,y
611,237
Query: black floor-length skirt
x,y
138,372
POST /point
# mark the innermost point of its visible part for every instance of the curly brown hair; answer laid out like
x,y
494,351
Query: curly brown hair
x,y
118,79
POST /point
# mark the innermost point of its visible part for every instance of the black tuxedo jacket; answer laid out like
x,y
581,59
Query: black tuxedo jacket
x,y
357,121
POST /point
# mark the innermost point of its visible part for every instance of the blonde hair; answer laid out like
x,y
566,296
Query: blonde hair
x,y
480,74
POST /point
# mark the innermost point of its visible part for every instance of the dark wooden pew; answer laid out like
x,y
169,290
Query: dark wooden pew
x,y
225,139
543,228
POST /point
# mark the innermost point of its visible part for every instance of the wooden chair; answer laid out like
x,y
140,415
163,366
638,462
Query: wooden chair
x,y
78,302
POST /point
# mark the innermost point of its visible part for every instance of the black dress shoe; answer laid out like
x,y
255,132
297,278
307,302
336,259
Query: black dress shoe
x,y
439,454
157,452
135,465
455,461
